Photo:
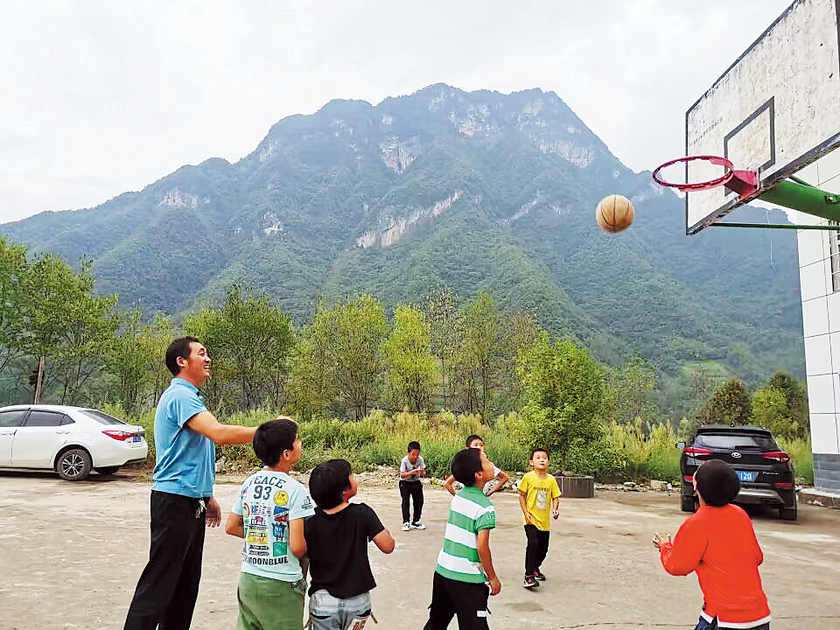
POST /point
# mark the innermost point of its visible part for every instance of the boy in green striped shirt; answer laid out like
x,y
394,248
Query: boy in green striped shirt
x,y
464,565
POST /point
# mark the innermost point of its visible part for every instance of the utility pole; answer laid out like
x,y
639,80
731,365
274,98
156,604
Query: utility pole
x,y
39,381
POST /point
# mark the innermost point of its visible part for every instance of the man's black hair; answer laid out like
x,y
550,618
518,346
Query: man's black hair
x,y
413,446
538,449
465,464
472,439
328,481
274,437
717,482
178,348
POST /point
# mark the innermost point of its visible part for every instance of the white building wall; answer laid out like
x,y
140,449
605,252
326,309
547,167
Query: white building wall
x,y
821,327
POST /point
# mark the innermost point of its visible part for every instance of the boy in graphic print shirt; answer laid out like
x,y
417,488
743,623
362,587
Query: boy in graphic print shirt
x,y
465,563
269,512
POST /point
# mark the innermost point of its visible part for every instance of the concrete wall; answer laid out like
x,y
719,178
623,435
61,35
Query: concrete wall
x,y
821,323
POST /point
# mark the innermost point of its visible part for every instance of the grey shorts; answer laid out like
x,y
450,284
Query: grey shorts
x,y
331,613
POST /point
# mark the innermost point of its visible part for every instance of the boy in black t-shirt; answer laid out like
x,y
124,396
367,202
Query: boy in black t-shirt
x,y
336,539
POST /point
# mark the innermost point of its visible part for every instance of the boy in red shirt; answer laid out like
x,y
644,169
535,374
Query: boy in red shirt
x,y
718,543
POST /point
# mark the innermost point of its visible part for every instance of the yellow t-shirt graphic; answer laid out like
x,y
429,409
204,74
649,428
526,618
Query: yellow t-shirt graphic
x,y
538,496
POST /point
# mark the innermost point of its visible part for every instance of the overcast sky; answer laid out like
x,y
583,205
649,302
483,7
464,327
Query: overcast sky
x,y
102,97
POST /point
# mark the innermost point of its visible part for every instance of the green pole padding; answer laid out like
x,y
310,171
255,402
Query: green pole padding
x,y
801,196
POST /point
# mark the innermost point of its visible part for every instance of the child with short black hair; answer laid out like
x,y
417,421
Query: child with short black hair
x,y
718,543
500,477
465,565
538,492
337,538
268,512
412,468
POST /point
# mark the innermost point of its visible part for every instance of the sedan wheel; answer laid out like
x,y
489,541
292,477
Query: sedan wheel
x,y
74,465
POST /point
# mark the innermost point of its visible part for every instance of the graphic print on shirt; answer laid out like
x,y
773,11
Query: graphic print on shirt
x,y
542,498
279,530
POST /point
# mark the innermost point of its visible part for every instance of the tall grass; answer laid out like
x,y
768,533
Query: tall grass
x,y
802,457
636,451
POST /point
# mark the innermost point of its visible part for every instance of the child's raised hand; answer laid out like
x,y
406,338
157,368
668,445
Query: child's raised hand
x,y
658,540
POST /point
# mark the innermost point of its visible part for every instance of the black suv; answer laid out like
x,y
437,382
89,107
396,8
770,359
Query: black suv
x,y
765,470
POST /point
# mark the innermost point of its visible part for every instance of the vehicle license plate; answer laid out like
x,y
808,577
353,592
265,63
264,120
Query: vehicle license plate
x,y
746,475
136,438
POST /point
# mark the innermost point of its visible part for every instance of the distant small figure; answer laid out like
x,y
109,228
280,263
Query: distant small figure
x,y
412,468
269,513
465,563
718,543
337,540
539,496
500,477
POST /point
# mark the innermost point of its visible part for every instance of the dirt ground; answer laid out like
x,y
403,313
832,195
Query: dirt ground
x,y
71,553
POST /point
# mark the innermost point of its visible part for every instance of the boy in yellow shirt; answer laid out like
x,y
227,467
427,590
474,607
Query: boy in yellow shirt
x,y
537,491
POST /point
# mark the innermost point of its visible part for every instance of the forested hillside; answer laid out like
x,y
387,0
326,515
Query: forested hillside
x,y
475,191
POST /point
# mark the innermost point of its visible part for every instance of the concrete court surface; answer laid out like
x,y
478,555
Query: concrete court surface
x,y
70,555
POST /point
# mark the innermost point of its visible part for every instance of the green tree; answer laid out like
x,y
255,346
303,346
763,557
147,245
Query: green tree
x,y
65,323
154,339
478,359
127,362
730,404
250,343
409,362
770,410
347,344
83,343
564,391
442,315
13,270
796,399
312,385
631,391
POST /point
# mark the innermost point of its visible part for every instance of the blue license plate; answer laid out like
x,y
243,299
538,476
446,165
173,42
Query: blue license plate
x,y
136,438
746,475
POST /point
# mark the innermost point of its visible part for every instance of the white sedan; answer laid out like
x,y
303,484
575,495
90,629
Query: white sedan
x,y
69,440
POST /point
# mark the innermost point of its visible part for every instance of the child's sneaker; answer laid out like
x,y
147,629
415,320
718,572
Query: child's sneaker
x,y
539,576
418,525
406,527
530,582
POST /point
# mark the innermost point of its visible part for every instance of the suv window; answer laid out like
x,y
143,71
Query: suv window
x,y
101,417
735,441
12,418
45,419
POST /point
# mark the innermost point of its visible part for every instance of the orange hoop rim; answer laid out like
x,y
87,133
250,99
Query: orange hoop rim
x,y
695,186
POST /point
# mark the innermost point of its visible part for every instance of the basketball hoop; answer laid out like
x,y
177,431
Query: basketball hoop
x,y
741,182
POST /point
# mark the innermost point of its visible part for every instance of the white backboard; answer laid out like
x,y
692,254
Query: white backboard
x,y
775,110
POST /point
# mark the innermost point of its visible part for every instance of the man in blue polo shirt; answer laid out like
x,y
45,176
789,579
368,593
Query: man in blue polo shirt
x,y
182,502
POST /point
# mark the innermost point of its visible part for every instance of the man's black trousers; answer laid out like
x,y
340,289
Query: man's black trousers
x,y
168,586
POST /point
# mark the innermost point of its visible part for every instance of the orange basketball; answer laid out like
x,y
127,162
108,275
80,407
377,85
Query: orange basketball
x,y
614,213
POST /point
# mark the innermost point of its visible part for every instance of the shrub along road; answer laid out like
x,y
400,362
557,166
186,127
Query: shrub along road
x,y
71,554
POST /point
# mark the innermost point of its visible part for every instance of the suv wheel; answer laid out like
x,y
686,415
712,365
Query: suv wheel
x,y
73,465
788,513
687,503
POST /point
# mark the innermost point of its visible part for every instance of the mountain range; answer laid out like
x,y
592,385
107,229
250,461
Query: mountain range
x,y
471,190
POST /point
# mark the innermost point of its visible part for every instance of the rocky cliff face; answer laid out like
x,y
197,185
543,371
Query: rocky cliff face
x,y
477,191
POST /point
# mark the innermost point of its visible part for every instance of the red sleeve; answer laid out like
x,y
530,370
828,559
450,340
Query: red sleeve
x,y
683,555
